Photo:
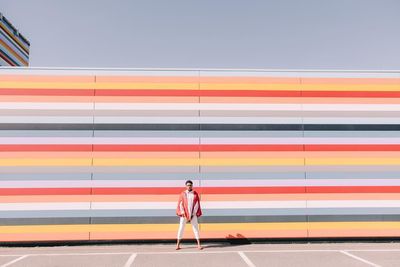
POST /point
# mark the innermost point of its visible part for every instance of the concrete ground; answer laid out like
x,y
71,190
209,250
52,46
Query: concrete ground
x,y
213,254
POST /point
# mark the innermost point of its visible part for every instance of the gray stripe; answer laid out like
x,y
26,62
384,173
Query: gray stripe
x,y
97,169
197,175
209,212
150,113
290,113
351,133
203,219
44,176
43,221
207,169
203,169
353,218
353,175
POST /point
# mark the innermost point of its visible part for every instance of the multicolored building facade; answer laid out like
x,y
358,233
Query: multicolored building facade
x,y
14,47
103,154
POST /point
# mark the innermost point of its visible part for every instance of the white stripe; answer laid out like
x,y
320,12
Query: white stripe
x,y
46,105
239,106
204,205
98,140
190,140
207,205
338,120
130,260
14,261
45,119
246,259
360,259
45,206
300,140
194,106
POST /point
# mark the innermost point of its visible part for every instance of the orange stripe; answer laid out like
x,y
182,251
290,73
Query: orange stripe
x,y
43,237
354,233
146,79
48,78
299,100
350,81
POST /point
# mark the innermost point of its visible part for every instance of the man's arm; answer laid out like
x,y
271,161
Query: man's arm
x,y
182,210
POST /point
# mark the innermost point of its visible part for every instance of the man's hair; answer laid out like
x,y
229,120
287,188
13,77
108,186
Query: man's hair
x,y
188,182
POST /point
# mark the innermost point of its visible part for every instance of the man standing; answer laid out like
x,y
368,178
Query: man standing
x,y
188,210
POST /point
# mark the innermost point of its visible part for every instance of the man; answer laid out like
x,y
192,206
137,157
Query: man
x,y
188,210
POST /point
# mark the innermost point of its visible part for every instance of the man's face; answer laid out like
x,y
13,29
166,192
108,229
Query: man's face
x,y
189,186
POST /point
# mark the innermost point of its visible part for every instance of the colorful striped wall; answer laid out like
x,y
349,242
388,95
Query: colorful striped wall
x,y
14,47
103,154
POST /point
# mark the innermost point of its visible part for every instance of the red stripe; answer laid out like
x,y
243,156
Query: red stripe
x,y
204,148
202,190
198,93
48,92
198,147
44,191
353,189
366,94
247,93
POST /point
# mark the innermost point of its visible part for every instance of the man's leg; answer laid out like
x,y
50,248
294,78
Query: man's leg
x,y
195,227
182,224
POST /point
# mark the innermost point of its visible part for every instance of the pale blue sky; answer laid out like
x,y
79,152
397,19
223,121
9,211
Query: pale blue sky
x,y
281,34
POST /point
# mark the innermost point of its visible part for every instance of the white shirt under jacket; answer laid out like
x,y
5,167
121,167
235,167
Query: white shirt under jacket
x,y
190,199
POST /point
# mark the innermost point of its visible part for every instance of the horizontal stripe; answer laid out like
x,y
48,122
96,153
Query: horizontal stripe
x,y
203,147
204,219
251,93
209,212
201,106
194,169
205,227
85,95
170,162
204,115
206,205
203,190
204,197
200,127
204,183
203,86
198,161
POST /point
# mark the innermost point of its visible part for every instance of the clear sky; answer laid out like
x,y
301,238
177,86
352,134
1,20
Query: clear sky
x,y
281,34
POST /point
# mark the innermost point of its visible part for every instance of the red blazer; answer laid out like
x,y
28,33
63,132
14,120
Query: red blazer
x,y
183,200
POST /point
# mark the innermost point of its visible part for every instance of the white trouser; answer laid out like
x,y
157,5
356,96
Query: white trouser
x,y
195,227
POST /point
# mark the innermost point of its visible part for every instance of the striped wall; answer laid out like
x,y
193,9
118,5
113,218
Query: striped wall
x,y
103,154
14,48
